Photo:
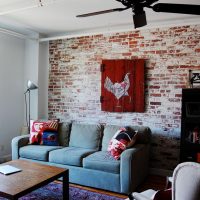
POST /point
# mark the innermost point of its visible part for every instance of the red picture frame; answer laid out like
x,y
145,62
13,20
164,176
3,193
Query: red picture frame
x,y
122,85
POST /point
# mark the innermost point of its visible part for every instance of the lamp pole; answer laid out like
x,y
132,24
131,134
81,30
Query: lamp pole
x,y
30,86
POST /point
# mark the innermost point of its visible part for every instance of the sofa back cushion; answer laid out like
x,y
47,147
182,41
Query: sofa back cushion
x,y
108,133
143,135
63,133
85,136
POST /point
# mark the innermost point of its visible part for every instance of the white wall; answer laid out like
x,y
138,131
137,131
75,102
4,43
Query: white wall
x,y
12,56
20,62
31,73
43,78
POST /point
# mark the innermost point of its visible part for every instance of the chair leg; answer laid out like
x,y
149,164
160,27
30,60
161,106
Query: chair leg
x,y
130,196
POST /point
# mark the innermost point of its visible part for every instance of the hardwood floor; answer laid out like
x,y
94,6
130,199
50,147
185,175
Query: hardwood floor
x,y
152,182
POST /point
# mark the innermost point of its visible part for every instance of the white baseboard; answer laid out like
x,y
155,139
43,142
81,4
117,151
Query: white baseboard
x,y
5,158
161,172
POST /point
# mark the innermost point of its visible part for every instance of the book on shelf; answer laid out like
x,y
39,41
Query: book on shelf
x,y
198,157
194,136
8,169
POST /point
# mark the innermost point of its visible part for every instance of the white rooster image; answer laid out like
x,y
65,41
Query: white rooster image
x,y
118,89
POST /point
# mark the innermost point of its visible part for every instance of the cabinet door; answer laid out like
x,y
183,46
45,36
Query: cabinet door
x,y
122,85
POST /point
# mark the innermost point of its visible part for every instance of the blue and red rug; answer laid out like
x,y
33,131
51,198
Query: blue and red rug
x,y
53,191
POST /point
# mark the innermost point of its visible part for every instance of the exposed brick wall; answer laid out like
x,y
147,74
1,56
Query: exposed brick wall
x,y
75,81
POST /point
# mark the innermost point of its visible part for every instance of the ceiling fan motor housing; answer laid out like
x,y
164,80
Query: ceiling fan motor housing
x,y
139,19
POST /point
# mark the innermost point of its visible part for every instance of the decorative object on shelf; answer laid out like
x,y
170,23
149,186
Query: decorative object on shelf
x,y
196,134
194,78
30,86
122,85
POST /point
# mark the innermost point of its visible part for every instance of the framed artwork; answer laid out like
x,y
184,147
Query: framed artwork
x,y
122,85
194,78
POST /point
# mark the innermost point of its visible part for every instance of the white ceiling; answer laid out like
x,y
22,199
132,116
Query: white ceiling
x,y
58,17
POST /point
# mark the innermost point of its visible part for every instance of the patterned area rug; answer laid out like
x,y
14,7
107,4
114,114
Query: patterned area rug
x,y
53,191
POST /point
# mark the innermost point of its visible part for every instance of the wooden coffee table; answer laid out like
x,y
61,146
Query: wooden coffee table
x,y
32,176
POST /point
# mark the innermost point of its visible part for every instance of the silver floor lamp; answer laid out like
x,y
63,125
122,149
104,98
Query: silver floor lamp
x,y
30,86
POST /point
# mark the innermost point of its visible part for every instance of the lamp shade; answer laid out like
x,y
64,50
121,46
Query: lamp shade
x,y
31,86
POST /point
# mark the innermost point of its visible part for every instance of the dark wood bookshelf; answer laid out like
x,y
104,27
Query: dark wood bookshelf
x,y
190,125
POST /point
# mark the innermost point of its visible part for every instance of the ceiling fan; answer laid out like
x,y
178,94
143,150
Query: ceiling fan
x,y
139,15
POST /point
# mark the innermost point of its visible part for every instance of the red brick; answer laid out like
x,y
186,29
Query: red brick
x,y
155,103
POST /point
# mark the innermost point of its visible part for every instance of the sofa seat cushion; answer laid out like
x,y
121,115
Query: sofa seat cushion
x,y
36,152
69,155
103,161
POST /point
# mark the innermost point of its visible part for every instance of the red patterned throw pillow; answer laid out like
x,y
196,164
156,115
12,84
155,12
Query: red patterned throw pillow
x,y
122,139
37,128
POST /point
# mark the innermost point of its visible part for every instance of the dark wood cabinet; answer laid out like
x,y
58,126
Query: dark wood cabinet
x,y
190,125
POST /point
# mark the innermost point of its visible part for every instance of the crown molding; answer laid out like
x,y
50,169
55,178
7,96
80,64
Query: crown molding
x,y
124,28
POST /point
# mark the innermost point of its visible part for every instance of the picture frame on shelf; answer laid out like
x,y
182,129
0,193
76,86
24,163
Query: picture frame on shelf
x,y
194,78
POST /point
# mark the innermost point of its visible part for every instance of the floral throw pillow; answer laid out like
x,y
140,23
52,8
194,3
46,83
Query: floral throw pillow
x,y
122,139
38,128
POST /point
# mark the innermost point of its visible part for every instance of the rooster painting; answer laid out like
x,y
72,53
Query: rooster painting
x,y
118,89
122,85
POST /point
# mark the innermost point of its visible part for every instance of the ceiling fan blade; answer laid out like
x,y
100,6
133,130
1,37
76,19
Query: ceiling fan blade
x,y
177,8
102,12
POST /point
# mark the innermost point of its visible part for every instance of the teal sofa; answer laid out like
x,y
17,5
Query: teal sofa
x,y
83,150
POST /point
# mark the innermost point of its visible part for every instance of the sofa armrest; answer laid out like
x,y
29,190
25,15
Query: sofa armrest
x,y
134,165
17,143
